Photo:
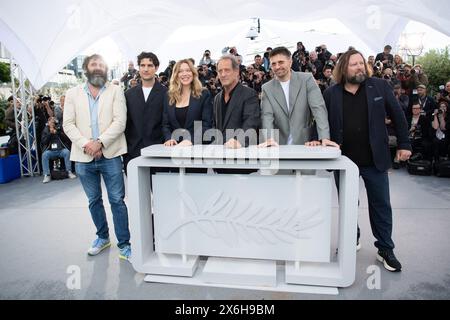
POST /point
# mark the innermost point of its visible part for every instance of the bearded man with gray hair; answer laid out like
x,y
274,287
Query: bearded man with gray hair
x,y
94,118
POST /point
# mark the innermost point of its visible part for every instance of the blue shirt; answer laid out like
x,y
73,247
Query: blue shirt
x,y
93,109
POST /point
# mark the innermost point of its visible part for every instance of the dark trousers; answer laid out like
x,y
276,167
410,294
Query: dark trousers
x,y
380,211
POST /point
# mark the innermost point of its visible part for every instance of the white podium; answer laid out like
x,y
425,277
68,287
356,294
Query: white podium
x,y
269,230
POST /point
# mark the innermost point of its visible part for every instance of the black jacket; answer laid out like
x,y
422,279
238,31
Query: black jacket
x,y
46,138
381,102
200,110
423,126
243,111
144,119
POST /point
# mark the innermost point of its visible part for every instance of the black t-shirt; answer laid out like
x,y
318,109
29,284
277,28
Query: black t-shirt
x,y
225,104
356,143
180,114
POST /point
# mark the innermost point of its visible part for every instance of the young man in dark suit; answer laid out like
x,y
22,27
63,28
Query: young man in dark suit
x,y
144,108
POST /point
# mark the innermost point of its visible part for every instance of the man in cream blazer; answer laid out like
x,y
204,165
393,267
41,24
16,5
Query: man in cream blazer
x,y
94,119
290,103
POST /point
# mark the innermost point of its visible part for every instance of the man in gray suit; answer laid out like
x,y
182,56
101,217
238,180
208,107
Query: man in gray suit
x,y
291,103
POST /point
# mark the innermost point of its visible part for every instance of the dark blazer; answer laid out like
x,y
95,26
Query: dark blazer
x,y
381,102
243,111
424,124
200,110
144,119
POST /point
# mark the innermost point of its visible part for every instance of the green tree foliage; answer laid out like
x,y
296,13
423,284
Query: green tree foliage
x,y
5,72
3,105
436,65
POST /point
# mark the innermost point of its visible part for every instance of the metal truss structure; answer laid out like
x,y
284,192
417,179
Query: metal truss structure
x,y
22,92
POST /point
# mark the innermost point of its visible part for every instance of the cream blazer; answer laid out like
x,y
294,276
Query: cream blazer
x,y
112,119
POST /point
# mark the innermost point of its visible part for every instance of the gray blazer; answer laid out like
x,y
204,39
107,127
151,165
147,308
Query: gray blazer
x,y
306,105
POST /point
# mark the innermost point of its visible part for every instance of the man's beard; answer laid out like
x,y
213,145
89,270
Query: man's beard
x,y
357,79
96,78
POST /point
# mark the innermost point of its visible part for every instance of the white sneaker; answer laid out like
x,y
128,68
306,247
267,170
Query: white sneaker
x,y
71,175
98,246
47,179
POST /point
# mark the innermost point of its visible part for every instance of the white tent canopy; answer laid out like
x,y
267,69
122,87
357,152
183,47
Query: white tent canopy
x,y
44,35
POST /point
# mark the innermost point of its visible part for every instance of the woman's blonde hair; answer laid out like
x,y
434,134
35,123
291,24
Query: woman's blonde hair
x,y
175,85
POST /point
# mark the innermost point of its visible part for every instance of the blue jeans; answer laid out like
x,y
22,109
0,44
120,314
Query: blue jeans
x,y
380,211
111,171
50,155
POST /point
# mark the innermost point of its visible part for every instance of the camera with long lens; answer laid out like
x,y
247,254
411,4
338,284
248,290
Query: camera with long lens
x,y
416,134
378,66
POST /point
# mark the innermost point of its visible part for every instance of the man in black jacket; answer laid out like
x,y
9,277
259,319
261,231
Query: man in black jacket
x,y
236,108
144,109
357,108
386,57
55,144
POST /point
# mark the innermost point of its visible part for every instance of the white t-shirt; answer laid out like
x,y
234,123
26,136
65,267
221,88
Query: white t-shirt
x,y
285,87
146,92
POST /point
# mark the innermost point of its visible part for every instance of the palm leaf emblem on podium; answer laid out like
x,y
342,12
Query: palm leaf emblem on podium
x,y
232,220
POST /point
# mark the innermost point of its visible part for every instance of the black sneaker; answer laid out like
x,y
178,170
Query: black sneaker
x,y
390,262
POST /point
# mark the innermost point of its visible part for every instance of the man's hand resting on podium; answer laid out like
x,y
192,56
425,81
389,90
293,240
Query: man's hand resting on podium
x,y
323,143
233,144
269,143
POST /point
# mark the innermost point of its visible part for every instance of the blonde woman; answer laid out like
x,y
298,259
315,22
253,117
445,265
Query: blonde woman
x,y
186,103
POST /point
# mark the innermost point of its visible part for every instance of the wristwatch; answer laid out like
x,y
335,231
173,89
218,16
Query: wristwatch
x,y
100,141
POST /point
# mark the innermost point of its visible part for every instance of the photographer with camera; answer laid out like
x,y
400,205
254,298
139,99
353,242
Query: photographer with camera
x,y
402,98
204,74
206,59
419,131
169,69
418,76
55,144
385,57
388,75
426,102
313,58
378,69
444,93
327,78
127,76
323,54
213,86
441,130
258,64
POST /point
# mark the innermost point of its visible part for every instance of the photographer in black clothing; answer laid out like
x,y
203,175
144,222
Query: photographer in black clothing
x,y
130,74
55,144
385,57
441,131
419,131
323,54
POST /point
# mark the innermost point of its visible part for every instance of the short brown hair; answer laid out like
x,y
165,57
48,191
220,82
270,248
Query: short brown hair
x,y
280,50
340,71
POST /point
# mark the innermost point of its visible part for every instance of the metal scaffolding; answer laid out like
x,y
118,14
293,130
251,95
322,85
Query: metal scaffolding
x,y
25,121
